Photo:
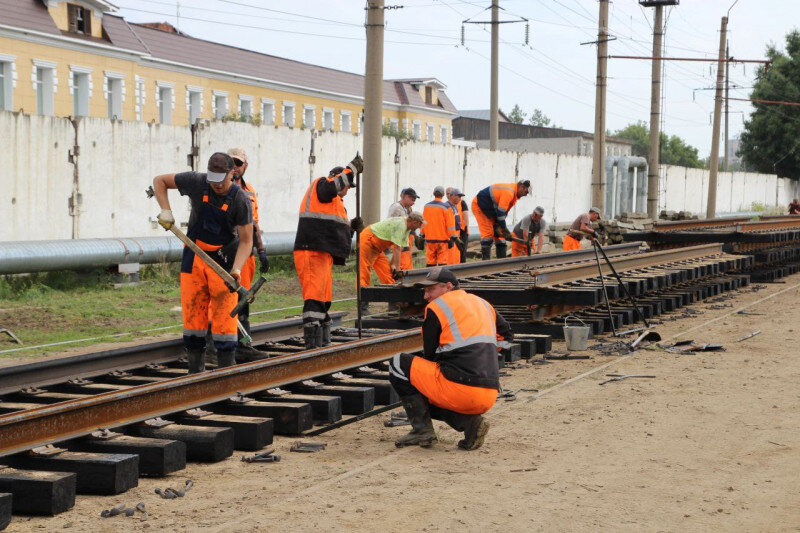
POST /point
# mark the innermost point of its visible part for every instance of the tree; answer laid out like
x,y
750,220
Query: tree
x,y
538,118
674,150
517,116
770,141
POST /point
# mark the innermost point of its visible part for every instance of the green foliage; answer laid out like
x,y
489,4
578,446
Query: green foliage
x,y
770,142
538,118
517,116
674,150
235,117
389,130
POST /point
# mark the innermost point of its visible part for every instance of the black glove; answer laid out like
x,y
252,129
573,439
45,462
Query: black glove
x,y
419,242
357,165
507,234
451,242
397,274
262,256
357,224
350,176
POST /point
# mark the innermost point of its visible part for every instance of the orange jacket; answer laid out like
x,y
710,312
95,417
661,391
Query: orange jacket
x,y
440,223
497,200
250,191
323,224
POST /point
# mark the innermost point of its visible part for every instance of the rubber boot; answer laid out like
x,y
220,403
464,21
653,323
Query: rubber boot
x,y
364,308
318,337
227,358
310,335
501,249
326,333
486,252
196,359
475,429
246,352
422,433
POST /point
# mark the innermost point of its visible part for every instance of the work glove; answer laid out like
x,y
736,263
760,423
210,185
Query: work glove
x,y
262,256
397,274
419,242
451,242
357,224
166,219
506,234
356,165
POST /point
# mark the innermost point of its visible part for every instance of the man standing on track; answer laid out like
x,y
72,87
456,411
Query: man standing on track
x,y
402,209
526,229
324,238
440,229
220,211
455,201
490,207
456,379
572,240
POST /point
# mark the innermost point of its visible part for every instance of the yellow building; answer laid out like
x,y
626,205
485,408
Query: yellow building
x,y
77,58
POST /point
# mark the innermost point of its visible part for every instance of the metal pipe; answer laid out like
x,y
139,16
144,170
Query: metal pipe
x,y
610,208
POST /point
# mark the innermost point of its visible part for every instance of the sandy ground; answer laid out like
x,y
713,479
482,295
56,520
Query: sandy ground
x,y
710,444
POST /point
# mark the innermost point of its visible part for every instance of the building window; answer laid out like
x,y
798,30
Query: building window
x,y
45,83
267,111
166,102
115,94
220,104
194,103
416,130
309,117
345,124
245,107
327,119
80,19
8,80
288,114
431,133
428,94
81,88
443,134
394,125
140,97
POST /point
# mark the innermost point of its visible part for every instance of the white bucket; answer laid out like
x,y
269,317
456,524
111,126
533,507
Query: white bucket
x,y
577,337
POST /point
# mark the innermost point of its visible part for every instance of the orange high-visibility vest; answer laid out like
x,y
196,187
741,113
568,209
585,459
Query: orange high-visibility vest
x,y
440,223
460,209
250,191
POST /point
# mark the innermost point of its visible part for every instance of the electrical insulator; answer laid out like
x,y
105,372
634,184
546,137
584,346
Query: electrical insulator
x,y
527,32
462,35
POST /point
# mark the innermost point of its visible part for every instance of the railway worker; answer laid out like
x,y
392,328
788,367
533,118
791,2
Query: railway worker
x,y
794,207
573,238
440,229
530,226
455,199
463,231
490,207
324,238
220,211
240,165
456,378
402,208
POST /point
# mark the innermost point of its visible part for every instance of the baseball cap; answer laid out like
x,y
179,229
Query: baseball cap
x,y
438,189
238,153
437,275
417,216
410,192
539,209
594,210
219,164
457,192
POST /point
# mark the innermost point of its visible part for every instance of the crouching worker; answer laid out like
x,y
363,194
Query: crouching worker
x,y
456,379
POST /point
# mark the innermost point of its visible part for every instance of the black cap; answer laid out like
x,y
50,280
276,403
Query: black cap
x,y
410,192
438,275
335,171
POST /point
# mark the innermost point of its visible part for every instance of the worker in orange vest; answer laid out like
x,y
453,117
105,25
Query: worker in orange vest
x,y
402,208
440,229
454,200
582,224
324,238
456,378
490,207
463,228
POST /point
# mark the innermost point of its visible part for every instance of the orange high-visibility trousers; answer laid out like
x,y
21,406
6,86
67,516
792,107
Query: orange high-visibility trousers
x,y
427,378
455,255
248,272
371,249
485,224
204,296
518,249
314,270
571,243
437,253
406,259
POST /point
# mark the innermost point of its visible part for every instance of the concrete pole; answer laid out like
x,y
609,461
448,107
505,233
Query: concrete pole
x,y
653,159
373,113
711,208
494,127
598,181
727,87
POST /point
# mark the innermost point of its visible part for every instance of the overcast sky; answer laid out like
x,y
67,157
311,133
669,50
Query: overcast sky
x,y
554,73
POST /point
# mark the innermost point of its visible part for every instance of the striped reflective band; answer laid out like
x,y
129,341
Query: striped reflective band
x,y
458,340
194,332
494,198
314,314
222,337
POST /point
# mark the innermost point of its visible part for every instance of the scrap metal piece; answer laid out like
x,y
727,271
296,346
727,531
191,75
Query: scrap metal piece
x,y
166,494
620,377
11,334
397,418
750,335
308,446
114,511
263,457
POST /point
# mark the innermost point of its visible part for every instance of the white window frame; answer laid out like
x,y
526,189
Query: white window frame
x,y
267,111
165,108
8,79
405,126
217,97
313,110
444,134
246,106
47,87
114,93
345,116
82,92
194,102
430,132
288,119
139,93
360,122
394,125
327,118
416,130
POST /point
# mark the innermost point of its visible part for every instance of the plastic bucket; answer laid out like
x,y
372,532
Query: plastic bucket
x,y
577,337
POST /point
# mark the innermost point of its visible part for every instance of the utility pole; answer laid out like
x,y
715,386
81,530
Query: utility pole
x,y
598,167
653,160
373,113
727,87
711,208
494,127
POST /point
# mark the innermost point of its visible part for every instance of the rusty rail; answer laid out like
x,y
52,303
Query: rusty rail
x,y
682,225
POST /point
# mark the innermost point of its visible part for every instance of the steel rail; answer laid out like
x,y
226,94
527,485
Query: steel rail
x,y
66,420
680,225
496,266
42,373
779,217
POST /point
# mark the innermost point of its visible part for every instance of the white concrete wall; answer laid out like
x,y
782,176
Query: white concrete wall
x,y
118,161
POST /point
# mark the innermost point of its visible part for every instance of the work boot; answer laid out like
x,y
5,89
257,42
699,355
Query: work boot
x,y
196,357
246,352
418,412
310,333
227,358
326,333
364,308
501,250
475,430
486,252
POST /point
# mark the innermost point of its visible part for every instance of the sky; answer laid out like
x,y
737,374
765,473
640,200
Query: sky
x,y
554,72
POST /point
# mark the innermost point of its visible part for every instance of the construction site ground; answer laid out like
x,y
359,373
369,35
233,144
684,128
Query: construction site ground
x,y
710,444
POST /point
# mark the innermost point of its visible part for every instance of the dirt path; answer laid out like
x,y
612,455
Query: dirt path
x,y
710,444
